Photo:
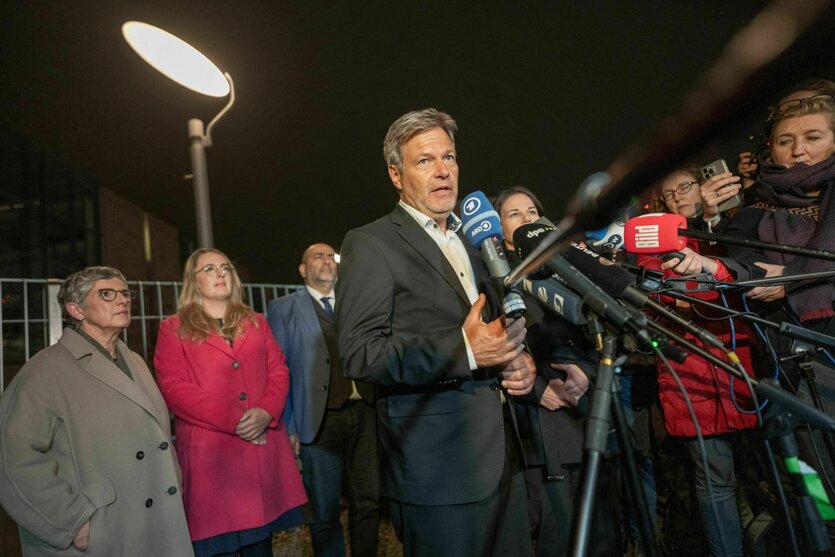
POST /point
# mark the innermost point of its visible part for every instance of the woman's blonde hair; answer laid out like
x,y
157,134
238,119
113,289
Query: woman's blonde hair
x,y
194,322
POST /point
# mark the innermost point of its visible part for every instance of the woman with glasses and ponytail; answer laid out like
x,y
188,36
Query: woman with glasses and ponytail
x,y
225,380
85,438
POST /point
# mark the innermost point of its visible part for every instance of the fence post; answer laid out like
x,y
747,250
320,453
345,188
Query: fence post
x,y
56,325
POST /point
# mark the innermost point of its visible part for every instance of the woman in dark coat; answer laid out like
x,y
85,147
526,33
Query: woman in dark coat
x,y
797,207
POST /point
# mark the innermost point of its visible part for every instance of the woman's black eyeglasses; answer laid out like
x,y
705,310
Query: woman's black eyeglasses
x,y
110,294
680,189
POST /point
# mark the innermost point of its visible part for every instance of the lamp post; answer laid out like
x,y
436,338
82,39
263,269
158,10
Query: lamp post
x,y
183,63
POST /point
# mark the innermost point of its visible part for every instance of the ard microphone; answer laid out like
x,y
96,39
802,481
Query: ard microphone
x,y
483,231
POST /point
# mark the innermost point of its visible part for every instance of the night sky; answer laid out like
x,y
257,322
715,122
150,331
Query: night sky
x,y
545,93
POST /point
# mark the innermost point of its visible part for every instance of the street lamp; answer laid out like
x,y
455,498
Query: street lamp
x,y
183,63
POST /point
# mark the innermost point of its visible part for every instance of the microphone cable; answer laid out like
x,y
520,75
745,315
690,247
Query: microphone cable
x,y
772,464
699,441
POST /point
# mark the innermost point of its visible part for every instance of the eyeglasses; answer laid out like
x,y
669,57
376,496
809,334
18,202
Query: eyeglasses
x,y
680,189
110,295
785,105
214,270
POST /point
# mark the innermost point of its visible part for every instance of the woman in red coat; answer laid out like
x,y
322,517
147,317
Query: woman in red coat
x,y
719,408
225,380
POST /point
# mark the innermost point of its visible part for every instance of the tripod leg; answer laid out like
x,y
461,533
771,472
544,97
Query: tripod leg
x,y
828,437
779,428
594,446
634,487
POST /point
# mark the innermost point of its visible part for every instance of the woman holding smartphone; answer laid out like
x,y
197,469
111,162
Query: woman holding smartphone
x,y
719,192
723,408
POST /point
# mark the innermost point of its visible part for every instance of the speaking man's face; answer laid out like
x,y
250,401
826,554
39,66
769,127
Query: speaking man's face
x,y
429,179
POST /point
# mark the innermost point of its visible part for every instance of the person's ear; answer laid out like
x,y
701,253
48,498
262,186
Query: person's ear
x,y
75,311
394,174
302,270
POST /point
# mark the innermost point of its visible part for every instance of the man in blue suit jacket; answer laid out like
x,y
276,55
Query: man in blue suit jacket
x,y
331,420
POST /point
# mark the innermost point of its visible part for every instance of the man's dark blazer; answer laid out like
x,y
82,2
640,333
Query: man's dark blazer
x,y
296,328
399,326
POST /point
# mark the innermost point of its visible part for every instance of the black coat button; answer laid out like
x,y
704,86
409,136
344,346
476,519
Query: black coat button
x,y
140,455
172,490
494,386
163,445
235,365
328,361
324,387
242,396
148,503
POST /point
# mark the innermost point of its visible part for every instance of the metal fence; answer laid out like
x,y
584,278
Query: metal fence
x,y
30,317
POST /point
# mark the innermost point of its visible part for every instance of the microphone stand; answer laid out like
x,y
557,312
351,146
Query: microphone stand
x,y
603,307
768,281
752,62
605,404
802,350
784,327
756,244
778,426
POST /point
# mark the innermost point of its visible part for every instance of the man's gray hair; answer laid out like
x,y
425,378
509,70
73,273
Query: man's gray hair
x,y
411,124
77,286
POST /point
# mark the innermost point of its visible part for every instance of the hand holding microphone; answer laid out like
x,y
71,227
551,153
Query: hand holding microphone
x,y
688,262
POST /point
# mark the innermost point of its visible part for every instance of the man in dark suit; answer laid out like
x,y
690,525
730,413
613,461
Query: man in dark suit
x,y
330,419
410,320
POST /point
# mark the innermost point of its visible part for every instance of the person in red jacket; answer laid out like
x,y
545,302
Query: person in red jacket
x,y
224,379
721,406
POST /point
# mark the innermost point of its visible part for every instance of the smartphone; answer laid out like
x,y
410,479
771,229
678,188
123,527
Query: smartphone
x,y
719,166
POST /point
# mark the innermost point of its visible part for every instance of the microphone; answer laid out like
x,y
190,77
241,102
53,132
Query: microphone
x,y
483,231
609,238
656,233
556,298
614,281
526,238
619,283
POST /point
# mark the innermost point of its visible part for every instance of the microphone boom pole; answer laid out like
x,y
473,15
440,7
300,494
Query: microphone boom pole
x,y
757,244
738,75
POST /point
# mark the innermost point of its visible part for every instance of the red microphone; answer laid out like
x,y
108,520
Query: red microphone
x,y
655,233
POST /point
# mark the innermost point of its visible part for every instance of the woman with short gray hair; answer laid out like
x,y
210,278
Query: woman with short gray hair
x,y
85,442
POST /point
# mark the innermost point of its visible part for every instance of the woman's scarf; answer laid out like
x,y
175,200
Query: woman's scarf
x,y
796,222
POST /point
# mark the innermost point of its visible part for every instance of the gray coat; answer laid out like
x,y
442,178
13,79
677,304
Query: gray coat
x,y
80,441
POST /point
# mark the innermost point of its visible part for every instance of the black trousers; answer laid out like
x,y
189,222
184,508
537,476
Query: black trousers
x,y
495,526
344,454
